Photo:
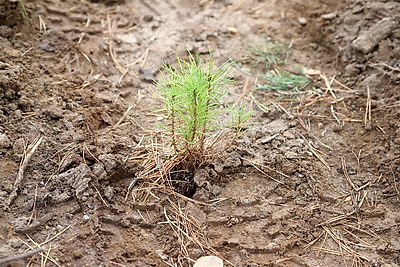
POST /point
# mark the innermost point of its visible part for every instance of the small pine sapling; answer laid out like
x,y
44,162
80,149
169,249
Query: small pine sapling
x,y
192,95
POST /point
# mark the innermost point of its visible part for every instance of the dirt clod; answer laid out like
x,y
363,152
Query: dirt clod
x,y
4,141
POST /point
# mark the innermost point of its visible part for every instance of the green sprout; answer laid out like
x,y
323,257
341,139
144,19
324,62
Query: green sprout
x,y
270,53
23,10
192,96
240,117
291,83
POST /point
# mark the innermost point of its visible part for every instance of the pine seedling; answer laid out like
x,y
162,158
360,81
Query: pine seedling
x,y
192,95
240,117
289,83
270,53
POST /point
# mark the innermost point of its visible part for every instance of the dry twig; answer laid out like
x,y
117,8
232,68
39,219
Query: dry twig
x,y
20,256
367,116
30,151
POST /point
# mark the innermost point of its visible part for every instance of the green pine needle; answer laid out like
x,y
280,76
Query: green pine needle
x,y
192,95
270,53
284,81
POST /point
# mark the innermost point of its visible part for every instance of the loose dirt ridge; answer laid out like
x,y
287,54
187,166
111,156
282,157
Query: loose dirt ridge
x,y
314,182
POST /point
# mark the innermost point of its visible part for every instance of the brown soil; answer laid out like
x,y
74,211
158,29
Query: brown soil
x,y
312,183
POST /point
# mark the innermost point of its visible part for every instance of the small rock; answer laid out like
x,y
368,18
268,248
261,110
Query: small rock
x,y
282,214
274,127
209,261
302,21
25,103
329,16
351,70
109,193
201,178
86,217
109,161
288,135
218,166
59,228
337,129
71,160
99,171
5,31
268,139
328,195
78,178
216,190
147,75
77,253
248,201
289,168
202,194
4,141
148,18
232,30
15,243
53,112
290,155
273,247
13,52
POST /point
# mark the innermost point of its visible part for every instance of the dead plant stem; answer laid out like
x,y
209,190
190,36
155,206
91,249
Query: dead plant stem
x,y
31,150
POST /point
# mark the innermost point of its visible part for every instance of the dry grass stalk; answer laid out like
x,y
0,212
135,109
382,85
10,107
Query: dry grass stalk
x,y
235,5
314,152
101,197
123,117
24,163
367,115
328,84
367,232
336,219
262,6
42,25
334,115
188,231
155,178
20,256
342,244
345,246
323,117
346,174
380,66
47,256
307,126
344,86
266,174
34,206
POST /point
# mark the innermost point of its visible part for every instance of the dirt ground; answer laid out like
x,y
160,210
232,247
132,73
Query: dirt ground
x,y
314,181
